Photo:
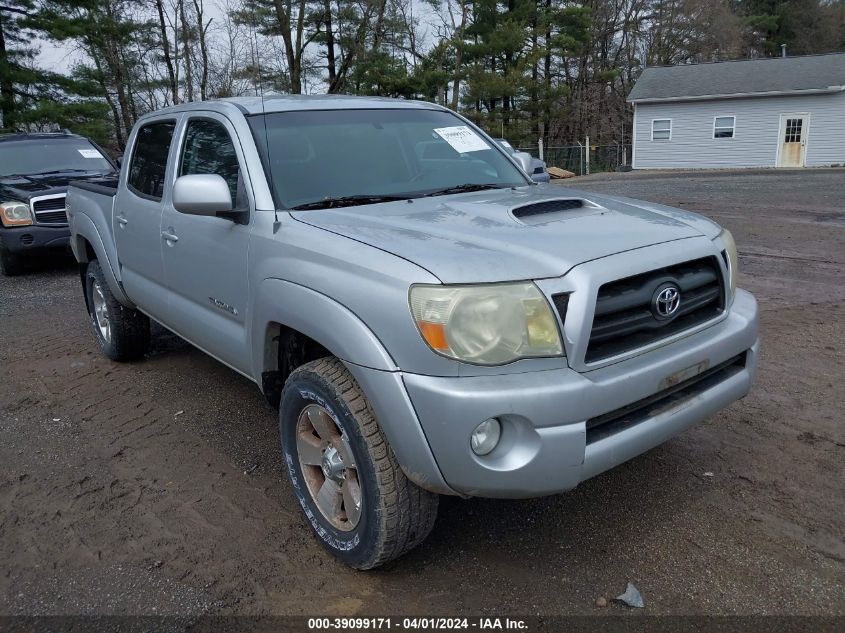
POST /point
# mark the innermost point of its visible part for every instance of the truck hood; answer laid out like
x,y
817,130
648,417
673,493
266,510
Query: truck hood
x,y
25,187
488,236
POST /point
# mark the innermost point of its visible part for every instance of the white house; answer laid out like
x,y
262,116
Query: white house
x,y
779,112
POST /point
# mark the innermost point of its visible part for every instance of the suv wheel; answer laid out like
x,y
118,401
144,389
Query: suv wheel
x,y
344,474
123,334
10,262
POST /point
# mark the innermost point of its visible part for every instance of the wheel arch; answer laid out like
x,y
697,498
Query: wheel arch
x,y
287,333
87,245
287,311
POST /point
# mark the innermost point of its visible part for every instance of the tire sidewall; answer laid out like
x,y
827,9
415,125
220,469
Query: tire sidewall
x,y
9,262
356,546
92,274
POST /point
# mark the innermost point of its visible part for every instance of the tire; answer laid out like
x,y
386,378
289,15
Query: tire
x,y
10,263
122,334
395,515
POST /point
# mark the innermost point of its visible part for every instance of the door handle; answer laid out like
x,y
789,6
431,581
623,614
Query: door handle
x,y
122,221
170,237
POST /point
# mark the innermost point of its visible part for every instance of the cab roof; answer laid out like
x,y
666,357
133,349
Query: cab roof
x,y
287,103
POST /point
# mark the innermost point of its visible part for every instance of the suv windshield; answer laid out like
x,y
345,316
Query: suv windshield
x,y
325,158
50,155
508,147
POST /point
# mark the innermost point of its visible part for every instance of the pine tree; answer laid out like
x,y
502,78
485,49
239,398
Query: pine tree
x,y
109,34
16,55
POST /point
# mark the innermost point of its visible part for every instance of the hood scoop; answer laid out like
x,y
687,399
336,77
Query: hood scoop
x,y
552,210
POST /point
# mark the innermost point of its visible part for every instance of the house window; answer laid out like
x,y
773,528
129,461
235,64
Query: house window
x,y
661,130
793,130
723,126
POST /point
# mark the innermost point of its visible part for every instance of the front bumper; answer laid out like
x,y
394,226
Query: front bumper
x,y
24,239
545,446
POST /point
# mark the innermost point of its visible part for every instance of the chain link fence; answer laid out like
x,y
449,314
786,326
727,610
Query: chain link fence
x,y
574,158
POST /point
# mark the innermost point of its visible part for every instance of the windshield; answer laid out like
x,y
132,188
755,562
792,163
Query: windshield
x,y
323,158
39,156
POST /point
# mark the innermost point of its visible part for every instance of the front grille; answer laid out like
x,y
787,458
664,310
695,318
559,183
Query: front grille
x,y
625,317
52,217
613,422
50,210
50,204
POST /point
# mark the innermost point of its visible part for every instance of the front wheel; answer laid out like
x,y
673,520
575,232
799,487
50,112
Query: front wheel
x,y
344,474
9,262
123,334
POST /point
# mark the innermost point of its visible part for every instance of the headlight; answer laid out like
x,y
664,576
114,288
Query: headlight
x,y
733,259
15,214
486,325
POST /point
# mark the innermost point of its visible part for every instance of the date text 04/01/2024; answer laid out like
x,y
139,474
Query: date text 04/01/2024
x,y
415,623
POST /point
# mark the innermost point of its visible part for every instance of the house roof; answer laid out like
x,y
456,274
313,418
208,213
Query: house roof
x,y
808,74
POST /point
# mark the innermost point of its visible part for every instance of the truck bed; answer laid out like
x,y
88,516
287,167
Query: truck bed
x,y
90,216
106,186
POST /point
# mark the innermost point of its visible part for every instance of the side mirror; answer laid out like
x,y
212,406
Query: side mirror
x,y
524,160
202,194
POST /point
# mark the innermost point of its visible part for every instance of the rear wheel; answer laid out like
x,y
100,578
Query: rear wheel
x,y
345,476
123,334
11,263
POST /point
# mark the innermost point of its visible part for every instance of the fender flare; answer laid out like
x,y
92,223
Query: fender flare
x,y
329,323
84,229
347,337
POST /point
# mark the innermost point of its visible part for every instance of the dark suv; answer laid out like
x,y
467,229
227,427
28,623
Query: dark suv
x,y
34,173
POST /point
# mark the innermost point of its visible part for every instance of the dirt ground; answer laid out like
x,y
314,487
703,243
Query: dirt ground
x,y
156,487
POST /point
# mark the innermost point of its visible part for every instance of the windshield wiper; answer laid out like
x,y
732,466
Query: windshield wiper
x,y
470,186
62,171
36,174
348,201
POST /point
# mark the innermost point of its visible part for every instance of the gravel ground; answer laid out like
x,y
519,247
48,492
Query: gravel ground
x,y
156,487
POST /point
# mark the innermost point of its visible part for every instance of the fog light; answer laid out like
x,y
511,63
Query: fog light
x,y
485,436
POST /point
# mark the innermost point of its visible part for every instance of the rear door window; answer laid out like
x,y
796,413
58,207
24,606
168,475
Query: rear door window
x,y
149,159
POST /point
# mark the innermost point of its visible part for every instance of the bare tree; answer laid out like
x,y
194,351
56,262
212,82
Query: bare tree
x,y
165,47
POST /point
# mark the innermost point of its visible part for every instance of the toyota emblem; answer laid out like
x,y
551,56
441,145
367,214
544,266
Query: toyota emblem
x,y
666,301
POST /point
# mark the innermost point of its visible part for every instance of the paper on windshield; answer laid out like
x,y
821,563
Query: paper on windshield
x,y
461,138
90,153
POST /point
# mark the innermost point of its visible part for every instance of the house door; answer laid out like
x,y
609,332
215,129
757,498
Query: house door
x,y
792,148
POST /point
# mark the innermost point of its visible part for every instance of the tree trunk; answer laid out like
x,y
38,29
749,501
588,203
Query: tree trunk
x,y
331,63
168,60
186,52
294,69
202,30
120,138
459,58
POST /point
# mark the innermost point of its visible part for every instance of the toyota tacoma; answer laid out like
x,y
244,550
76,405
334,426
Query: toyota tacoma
x,y
427,320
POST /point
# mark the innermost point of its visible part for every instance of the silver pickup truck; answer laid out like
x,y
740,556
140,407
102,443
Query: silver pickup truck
x,y
426,318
